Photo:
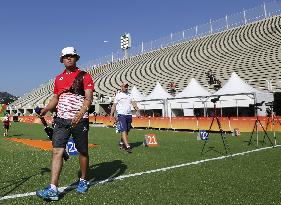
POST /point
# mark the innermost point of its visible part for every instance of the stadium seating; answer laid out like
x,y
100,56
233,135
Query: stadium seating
x,y
253,51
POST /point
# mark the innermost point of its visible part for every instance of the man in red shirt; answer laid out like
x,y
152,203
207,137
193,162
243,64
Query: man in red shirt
x,y
72,99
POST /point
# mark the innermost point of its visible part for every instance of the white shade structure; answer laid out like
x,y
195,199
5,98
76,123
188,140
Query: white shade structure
x,y
137,96
193,89
237,93
158,93
235,85
156,100
192,96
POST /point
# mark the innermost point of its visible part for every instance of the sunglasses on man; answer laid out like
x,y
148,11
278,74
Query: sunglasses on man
x,y
68,56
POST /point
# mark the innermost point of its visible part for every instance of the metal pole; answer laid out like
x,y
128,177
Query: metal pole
x,y
245,20
204,109
142,47
211,31
112,57
237,113
264,9
267,84
226,20
126,54
221,108
171,126
256,113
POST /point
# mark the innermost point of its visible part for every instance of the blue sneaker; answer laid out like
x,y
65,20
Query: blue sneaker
x,y
48,194
82,186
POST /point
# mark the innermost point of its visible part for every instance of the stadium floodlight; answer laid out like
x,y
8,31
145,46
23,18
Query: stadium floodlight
x,y
126,41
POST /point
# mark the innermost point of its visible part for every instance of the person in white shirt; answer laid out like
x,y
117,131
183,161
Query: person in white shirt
x,y
122,105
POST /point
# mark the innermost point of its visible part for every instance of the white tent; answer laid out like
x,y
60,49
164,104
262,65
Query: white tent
x,y
193,96
158,93
193,89
235,85
157,99
136,95
237,93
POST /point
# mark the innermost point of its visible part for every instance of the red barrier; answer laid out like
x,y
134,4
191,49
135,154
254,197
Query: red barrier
x,y
160,122
244,124
141,122
183,123
96,119
107,122
35,119
205,123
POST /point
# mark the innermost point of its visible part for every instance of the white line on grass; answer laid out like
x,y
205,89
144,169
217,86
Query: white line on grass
x,y
93,183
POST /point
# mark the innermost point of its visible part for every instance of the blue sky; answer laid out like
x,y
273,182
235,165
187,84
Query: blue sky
x,y
33,32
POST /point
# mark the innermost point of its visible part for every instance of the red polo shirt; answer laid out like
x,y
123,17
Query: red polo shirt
x,y
65,80
69,104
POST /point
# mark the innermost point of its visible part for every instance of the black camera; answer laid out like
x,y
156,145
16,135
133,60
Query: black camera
x,y
269,104
257,104
214,100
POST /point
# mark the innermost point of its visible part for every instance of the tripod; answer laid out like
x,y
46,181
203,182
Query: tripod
x,y
215,117
255,128
271,118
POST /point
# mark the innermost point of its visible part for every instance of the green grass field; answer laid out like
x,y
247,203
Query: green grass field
x,y
252,178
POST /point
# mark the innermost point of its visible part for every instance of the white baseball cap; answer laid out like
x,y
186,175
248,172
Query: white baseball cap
x,y
124,83
69,51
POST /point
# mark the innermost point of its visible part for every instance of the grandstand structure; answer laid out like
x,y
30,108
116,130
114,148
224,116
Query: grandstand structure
x,y
253,51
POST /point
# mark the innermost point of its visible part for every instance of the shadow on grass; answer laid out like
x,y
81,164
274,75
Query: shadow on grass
x,y
136,144
212,149
99,174
14,184
16,135
255,142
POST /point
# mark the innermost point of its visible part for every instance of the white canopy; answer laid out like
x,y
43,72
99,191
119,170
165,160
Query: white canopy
x,y
235,85
137,96
158,93
238,93
193,89
157,99
193,96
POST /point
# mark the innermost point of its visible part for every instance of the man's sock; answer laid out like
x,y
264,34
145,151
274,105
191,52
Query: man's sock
x,y
54,187
82,180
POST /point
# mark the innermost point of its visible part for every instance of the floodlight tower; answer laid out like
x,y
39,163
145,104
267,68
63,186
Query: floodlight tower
x,y
126,43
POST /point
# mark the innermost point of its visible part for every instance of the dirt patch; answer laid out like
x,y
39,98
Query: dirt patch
x,y
41,144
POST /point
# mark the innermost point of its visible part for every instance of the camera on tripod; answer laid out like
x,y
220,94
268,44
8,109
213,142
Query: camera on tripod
x,y
257,105
214,100
269,109
269,104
